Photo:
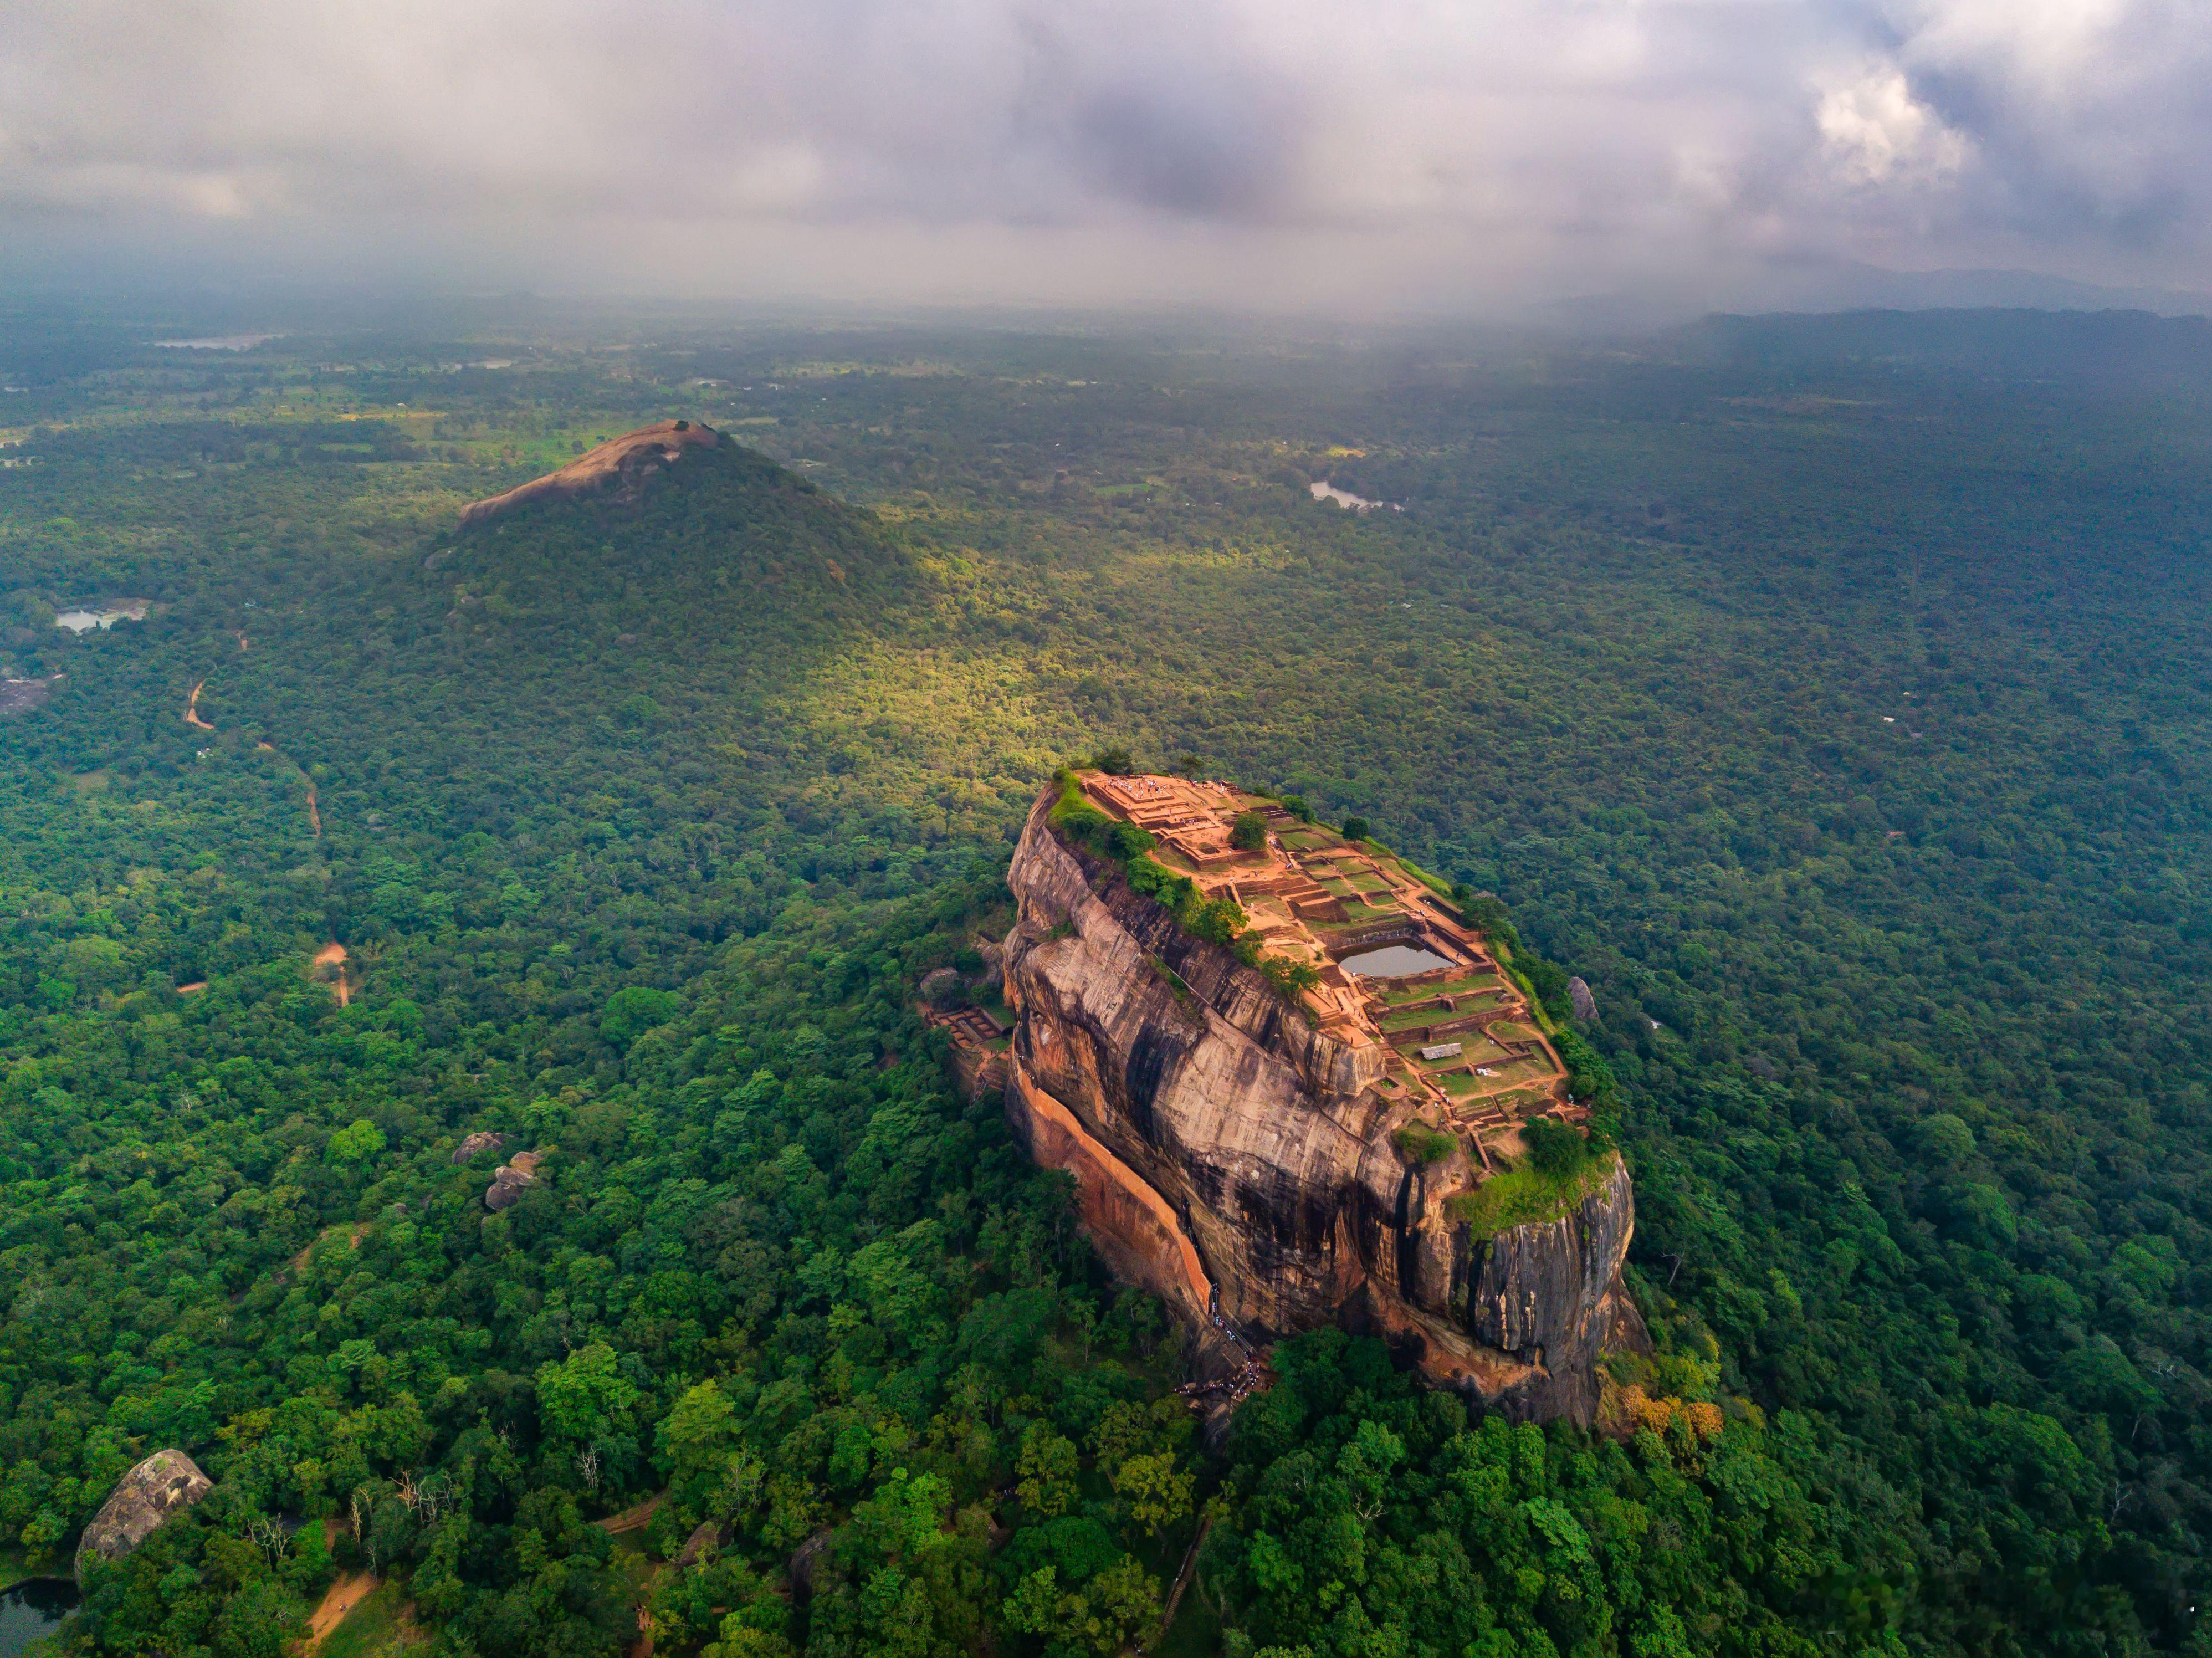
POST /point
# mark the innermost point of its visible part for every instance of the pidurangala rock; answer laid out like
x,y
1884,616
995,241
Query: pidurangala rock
x,y
165,1484
1267,1165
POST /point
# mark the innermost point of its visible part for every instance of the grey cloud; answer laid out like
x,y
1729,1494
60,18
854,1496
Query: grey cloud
x,y
1414,150
1185,150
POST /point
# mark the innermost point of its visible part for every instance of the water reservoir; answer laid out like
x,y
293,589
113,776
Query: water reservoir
x,y
32,1610
1394,961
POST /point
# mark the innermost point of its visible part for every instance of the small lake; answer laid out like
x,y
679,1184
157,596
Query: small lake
x,y
33,1610
219,343
83,621
1327,491
1391,962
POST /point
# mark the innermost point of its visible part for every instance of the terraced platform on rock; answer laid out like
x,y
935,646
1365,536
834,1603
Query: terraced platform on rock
x,y
1316,897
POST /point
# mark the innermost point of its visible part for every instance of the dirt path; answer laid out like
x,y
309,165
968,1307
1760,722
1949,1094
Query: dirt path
x,y
633,1518
333,955
349,1592
192,709
1183,1577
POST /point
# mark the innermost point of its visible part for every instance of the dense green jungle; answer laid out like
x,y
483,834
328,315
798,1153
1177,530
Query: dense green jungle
x,y
1830,695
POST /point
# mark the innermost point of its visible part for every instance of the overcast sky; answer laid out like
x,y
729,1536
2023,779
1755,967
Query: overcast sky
x,y
1374,153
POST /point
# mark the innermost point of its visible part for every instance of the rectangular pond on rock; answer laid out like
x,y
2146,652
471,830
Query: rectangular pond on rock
x,y
1394,961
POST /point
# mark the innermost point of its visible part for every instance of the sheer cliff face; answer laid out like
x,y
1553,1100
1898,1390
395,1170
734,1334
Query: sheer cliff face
x,y
1223,1149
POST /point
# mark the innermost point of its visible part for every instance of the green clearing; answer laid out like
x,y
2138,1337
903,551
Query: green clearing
x,y
1407,1019
1506,1080
1469,986
1412,1017
1357,910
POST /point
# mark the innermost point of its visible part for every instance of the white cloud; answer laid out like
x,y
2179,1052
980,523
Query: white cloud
x,y
1876,132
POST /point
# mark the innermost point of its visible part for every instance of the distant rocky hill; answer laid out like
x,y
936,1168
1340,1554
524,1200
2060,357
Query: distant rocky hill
x,y
616,470
673,541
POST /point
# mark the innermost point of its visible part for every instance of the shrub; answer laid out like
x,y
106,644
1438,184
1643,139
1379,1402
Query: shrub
x,y
1085,823
1290,979
1549,980
1126,841
1589,1078
1489,917
1157,881
1355,829
1554,1149
357,1141
633,1011
1423,1144
1295,806
1248,832
1217,920
1114,761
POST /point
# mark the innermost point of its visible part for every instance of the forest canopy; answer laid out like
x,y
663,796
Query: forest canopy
x,y
1834,712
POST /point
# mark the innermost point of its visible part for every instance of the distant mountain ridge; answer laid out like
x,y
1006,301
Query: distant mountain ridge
x,y
2133,348
1794,286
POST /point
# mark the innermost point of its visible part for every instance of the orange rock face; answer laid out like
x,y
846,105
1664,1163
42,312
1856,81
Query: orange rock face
x,y
1130,1222
615,468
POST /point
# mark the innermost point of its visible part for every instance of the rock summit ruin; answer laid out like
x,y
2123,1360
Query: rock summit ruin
x,y
1271,1150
